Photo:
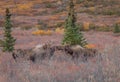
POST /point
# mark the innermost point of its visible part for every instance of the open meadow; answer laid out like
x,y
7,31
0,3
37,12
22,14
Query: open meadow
x,y
39,28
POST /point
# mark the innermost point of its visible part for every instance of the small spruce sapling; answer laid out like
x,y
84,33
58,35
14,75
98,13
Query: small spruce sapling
x,y
72,36
9,41
117,28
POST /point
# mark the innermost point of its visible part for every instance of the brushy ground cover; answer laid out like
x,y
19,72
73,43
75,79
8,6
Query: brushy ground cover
x,y
103,13
60,68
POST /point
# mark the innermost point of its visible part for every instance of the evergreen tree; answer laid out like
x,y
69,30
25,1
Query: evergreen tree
x,y
72,34
9,41
117,28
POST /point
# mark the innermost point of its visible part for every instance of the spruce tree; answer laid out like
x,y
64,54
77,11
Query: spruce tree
x,y
9,41
72,34
117,28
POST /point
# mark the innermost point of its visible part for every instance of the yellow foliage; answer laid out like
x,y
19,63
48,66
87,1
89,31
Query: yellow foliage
x,y
24,6
42,32
89,46
86,26
58,30
1,10
55,17
118,21
91,9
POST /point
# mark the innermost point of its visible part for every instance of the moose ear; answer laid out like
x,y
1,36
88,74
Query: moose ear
x,y
45,46
14,56
32,58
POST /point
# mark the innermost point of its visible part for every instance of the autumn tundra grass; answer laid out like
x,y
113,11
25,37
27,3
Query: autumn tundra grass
x,y
61,68
51,53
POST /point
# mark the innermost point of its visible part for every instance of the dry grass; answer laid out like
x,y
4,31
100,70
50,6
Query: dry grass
x,y
60,68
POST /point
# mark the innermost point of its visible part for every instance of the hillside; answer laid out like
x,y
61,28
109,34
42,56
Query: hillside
x,y
38,45
53,12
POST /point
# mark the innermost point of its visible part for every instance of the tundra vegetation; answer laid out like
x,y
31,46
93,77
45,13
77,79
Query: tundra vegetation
x,y
72,34
60,41
9,41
